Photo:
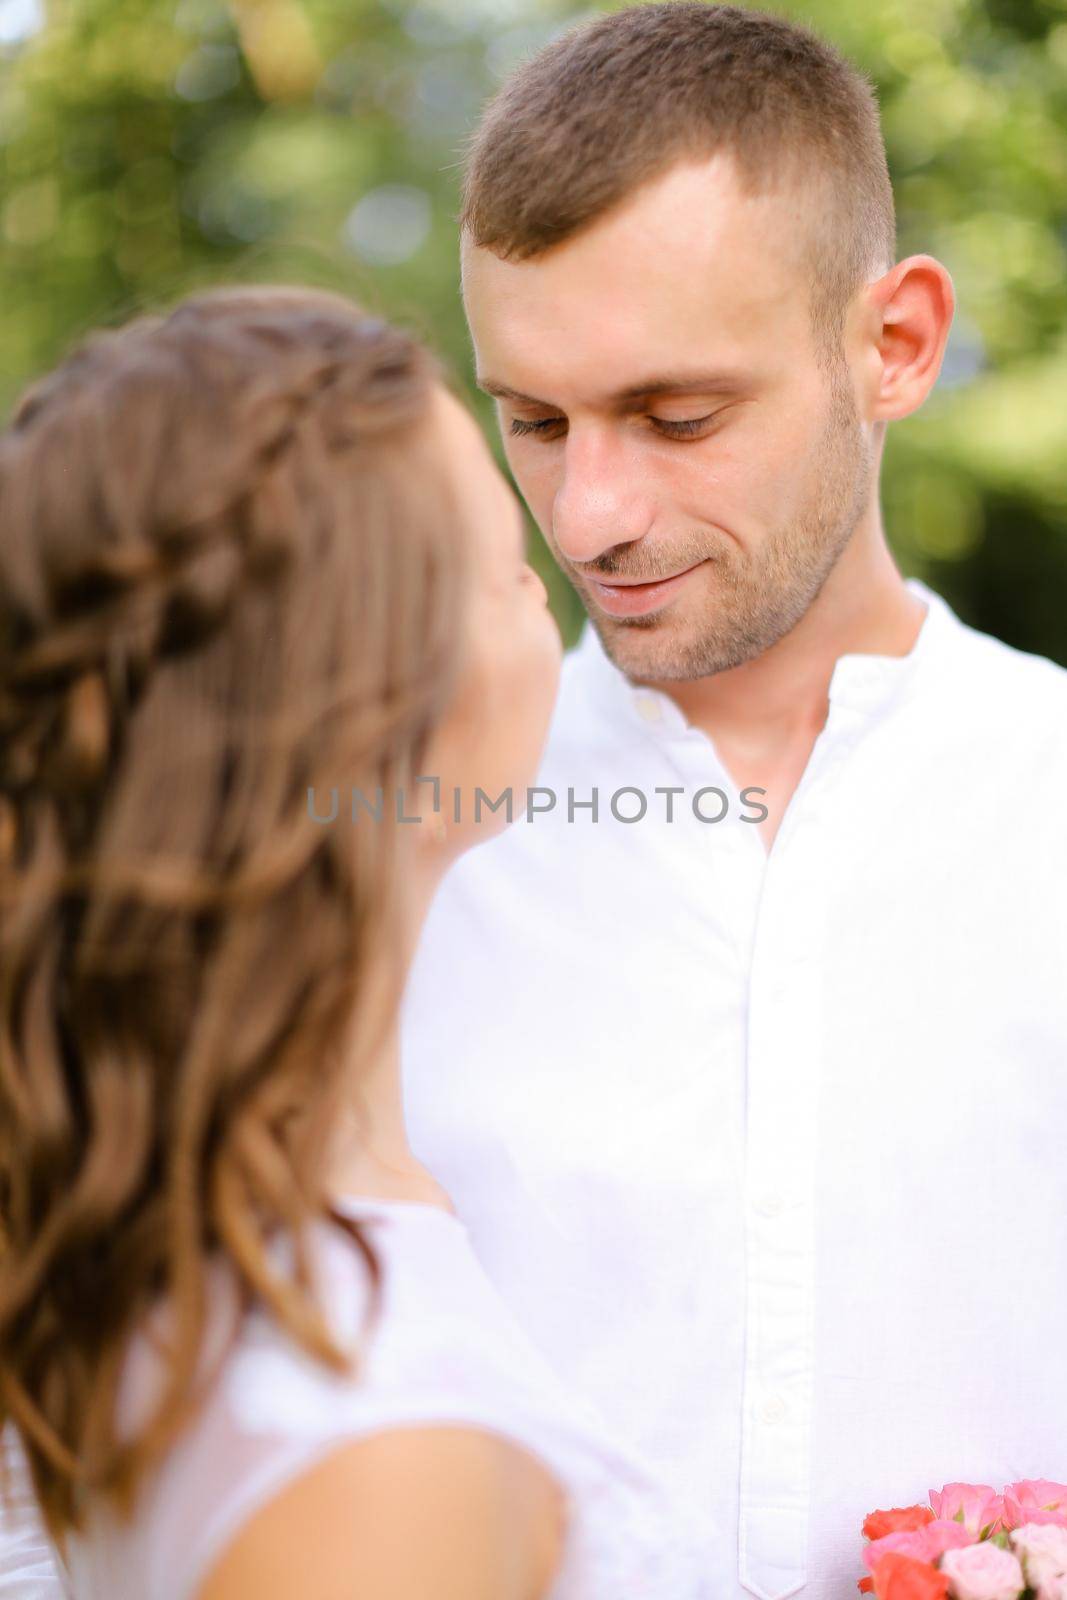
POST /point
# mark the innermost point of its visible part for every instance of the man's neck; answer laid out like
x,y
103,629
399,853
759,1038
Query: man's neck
x,y
765,705
765,715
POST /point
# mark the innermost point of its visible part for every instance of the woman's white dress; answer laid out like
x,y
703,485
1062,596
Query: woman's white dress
x,y
445,1350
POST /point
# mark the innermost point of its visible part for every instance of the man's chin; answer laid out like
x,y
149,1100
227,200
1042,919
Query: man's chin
x,y
659,647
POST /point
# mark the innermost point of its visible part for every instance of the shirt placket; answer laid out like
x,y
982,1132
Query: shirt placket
x,y
785,1033
774,906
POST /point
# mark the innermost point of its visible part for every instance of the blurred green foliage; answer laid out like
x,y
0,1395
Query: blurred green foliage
x,y
147,148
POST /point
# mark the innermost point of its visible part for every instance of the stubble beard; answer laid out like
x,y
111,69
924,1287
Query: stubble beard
x,y
760,598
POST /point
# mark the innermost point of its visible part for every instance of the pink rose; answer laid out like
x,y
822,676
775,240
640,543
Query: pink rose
x,y
976,1505
1035,1500
983,1572
1042,1548
924,1544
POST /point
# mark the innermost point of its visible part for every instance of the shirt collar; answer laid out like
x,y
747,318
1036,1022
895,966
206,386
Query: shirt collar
x,y
864,683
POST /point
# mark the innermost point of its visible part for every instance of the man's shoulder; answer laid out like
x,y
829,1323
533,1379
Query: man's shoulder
x,y
993,707
1000,678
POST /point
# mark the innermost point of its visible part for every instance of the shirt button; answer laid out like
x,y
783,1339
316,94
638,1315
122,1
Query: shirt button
x,y
773,1410
648,707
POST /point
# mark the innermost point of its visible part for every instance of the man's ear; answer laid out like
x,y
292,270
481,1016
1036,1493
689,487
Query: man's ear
x,y
906,318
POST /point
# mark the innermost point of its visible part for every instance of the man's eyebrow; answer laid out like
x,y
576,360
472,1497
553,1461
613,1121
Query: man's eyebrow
x,y
720,382
501,391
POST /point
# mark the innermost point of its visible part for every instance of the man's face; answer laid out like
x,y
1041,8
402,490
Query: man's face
x,y
664,412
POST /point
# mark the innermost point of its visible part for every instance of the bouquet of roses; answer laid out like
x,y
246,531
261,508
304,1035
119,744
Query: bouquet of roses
x,y
971,1543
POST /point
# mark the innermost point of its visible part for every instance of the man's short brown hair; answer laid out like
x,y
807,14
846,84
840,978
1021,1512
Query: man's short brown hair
x,y
615,102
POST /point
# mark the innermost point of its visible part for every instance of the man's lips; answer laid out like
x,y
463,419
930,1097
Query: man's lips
x,y
625,598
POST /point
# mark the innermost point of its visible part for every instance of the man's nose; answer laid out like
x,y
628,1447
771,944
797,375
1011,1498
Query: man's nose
x,y
601,500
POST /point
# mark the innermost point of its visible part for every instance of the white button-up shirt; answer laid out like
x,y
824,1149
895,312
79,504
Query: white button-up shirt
x,y
769,1152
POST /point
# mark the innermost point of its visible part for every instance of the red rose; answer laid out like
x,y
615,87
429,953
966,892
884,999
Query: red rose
x,y
902,1519
898,1577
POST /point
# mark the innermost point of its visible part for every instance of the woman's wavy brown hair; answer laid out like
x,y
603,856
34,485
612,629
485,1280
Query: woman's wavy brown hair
x,y
231,571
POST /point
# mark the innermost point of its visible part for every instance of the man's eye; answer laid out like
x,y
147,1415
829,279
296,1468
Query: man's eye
x,y
520,425
686,429
683,430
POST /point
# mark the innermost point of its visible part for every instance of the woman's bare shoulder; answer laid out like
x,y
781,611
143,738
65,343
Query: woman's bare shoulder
x,y
448,1512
